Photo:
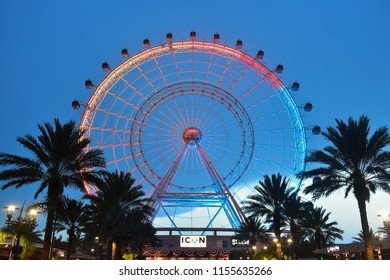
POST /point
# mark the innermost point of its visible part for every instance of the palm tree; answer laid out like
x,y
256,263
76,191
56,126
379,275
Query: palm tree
x,y
295,210
360,236
42,207
268,200
114,201
134,232
319,229
27,234
385,230
254,230
58,161
71,216
354,161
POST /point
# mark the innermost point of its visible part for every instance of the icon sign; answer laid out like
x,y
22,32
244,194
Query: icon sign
x,y
193,241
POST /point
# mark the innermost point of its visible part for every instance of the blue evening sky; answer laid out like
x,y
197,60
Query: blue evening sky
x,y
339,51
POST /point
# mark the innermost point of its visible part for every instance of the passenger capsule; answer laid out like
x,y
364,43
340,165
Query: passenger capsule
x,y
192,35
169,37
146,43
239,44
105,66
295,86
76,104
88,84
279,69
216,38
125,53
316,130
308,107
260,54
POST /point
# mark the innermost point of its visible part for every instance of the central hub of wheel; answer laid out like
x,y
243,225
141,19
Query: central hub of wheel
x,y
192,135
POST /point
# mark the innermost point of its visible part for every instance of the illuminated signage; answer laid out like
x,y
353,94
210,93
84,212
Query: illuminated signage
x,y
193,241
236,242
332,249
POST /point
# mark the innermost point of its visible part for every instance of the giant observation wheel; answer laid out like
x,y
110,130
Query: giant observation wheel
x,y
198,124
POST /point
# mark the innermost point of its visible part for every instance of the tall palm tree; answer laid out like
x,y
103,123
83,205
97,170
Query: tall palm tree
x,y
72,215
319,229
58,161
355,162
115,198
268,201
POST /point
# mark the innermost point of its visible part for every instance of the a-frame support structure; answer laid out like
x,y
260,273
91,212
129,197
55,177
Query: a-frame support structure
x,y
221,197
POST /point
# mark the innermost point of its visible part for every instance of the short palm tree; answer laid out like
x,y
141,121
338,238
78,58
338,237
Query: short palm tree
x,y
355,162
253,229
295,210
134,232
116,197
26,229
59,161
319,229
360,236
385,230
71,217
268,201
42,207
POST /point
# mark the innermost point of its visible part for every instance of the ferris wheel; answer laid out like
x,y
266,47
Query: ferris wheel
x,y
198,124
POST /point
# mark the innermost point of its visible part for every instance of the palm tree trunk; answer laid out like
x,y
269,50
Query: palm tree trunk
x,y
295,239
279,254
52,203
318,239
109,248
278,244
70,241
47,237
278,233
113,252
118,252
365,228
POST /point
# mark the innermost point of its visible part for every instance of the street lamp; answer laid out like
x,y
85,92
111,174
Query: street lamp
x,y
29,220
10,211
33,214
